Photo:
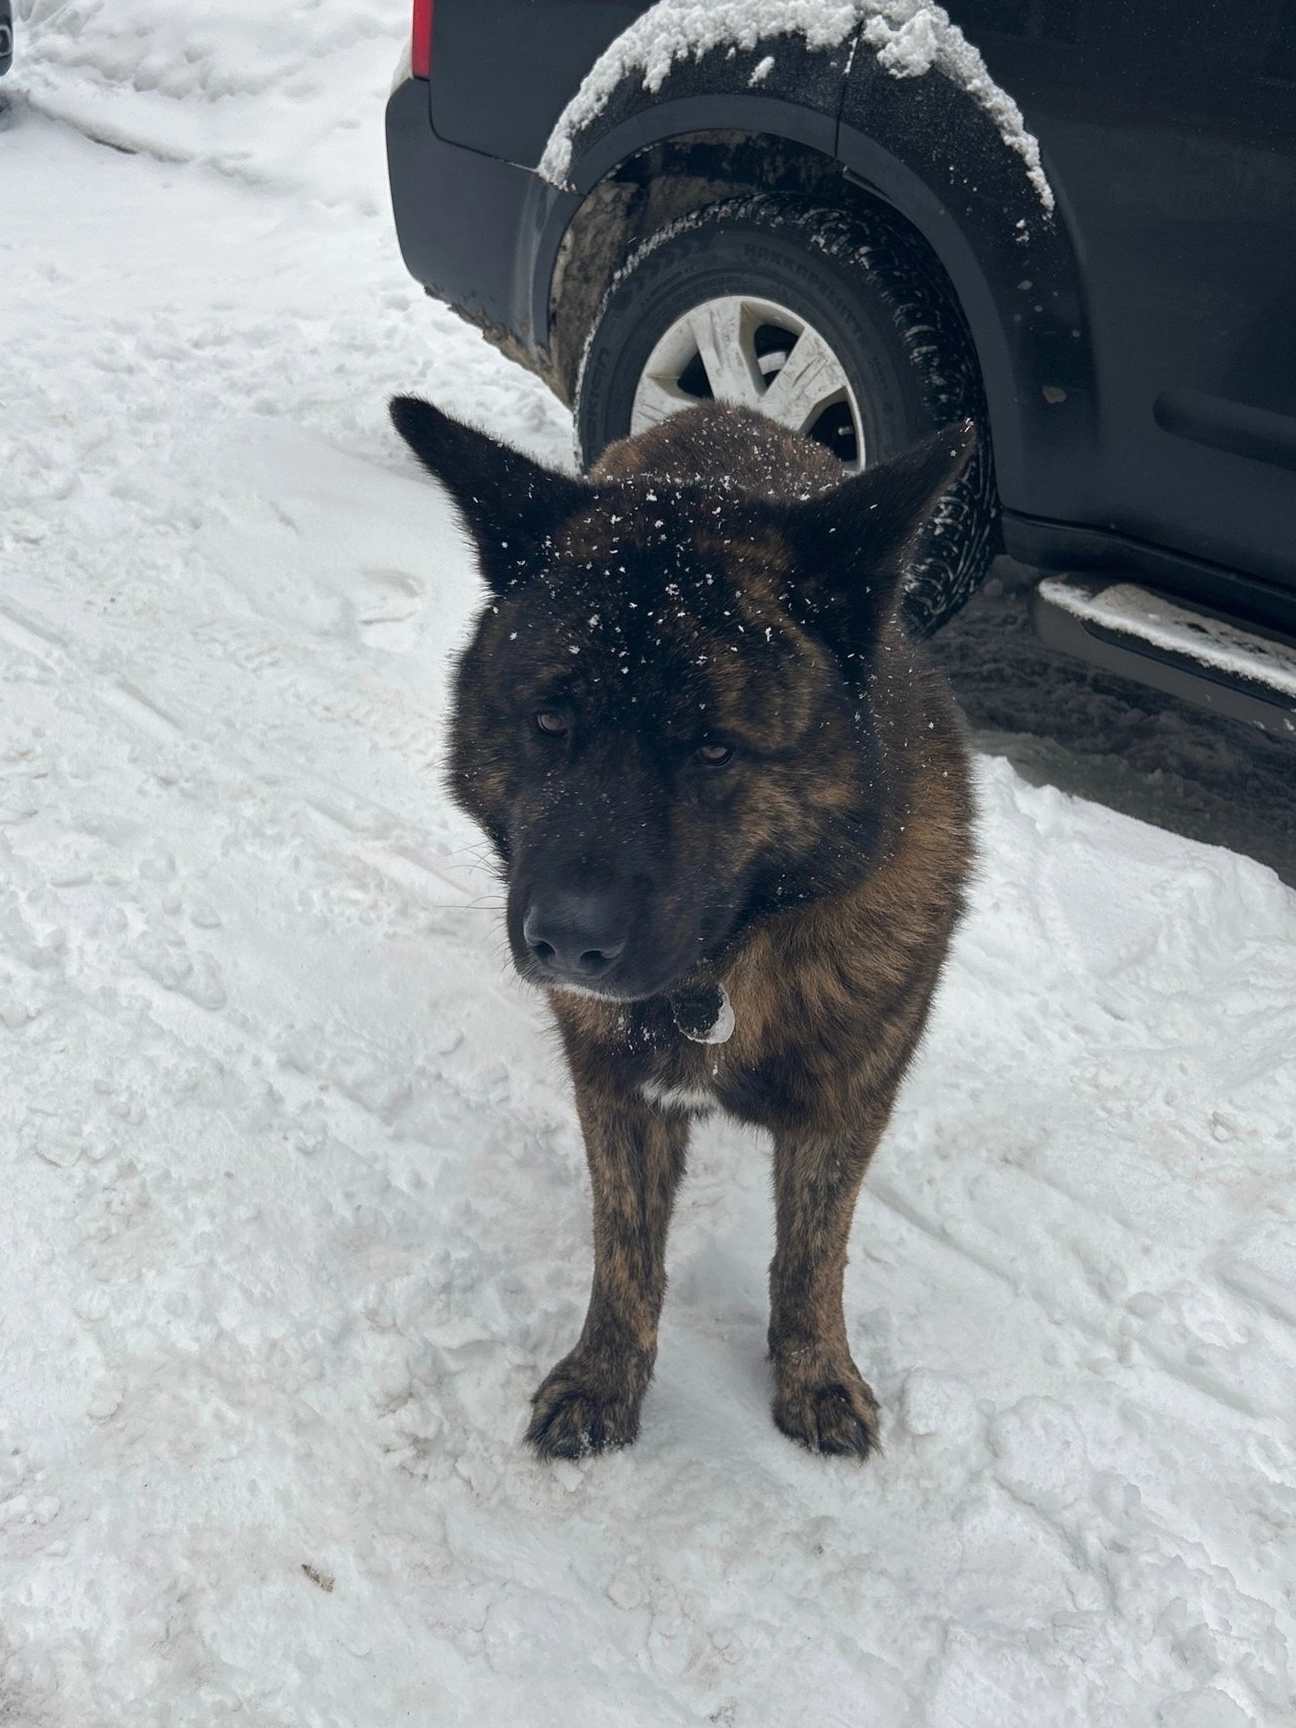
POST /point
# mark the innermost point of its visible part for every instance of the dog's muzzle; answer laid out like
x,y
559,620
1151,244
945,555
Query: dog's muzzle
x,y
575,936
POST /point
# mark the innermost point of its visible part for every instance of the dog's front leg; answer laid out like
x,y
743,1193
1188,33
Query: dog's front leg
x,y
591,1399
820,1397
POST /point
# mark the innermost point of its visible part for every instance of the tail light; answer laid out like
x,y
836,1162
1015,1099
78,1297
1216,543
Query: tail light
x,y
421,39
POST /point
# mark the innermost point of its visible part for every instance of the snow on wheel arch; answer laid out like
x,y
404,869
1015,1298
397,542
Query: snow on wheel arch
x,y
909,37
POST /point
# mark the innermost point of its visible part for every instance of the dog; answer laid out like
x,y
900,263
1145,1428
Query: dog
x,y
731,803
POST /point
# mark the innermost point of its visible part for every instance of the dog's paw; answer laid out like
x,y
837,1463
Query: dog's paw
x,y
834,1413
577,1411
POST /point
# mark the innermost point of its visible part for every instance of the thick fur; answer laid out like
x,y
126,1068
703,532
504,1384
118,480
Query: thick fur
x,y
715,585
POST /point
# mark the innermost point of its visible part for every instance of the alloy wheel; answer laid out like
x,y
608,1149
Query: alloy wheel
x,y
757,354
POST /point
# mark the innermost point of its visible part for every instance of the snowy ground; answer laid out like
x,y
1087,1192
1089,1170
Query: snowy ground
x,y
294,1208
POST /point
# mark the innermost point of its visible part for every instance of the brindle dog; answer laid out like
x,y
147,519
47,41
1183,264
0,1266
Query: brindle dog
x,y
730,800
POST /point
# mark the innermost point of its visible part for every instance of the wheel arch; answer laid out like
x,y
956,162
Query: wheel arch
x,y
1015,280
665,162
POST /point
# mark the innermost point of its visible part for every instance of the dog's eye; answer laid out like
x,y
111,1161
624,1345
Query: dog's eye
x,y
551,724
716,755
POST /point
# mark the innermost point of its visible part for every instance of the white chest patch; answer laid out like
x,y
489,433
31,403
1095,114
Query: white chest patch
x,y
678,1097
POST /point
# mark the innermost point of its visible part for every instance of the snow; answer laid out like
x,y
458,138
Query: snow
x,y
282,95
295,1212
910,38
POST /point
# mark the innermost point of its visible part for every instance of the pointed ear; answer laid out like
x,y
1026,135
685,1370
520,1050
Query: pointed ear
x,y
511,505
852,544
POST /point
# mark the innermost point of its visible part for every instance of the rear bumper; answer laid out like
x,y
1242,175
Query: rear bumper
x,y
469,225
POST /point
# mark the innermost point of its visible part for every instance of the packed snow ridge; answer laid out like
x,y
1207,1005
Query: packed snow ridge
x,y
909,37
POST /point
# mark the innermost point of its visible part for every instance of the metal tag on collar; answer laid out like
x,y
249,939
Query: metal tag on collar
x,y
705,1014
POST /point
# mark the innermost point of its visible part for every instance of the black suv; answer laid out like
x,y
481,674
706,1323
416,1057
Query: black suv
x,y
1073,219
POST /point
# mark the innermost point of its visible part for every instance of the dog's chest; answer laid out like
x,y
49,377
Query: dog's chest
x,y
675,1073
654,1060
695,1098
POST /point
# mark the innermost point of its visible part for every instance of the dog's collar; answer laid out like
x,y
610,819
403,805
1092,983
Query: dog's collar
x,y
703,1013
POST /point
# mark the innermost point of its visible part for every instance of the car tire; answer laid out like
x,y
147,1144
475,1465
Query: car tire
x,y
872,296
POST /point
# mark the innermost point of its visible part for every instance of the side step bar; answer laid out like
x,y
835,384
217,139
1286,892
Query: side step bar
x,y
1185,650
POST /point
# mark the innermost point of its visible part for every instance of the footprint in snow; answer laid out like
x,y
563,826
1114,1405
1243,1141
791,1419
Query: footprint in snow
x,y
387,618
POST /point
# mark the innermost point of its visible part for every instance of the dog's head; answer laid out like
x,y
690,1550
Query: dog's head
x,y
664,719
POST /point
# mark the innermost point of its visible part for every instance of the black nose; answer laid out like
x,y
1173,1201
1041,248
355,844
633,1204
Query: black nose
x,y
577,934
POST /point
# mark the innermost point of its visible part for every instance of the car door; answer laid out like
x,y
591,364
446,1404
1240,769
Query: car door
x,y
1168,129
